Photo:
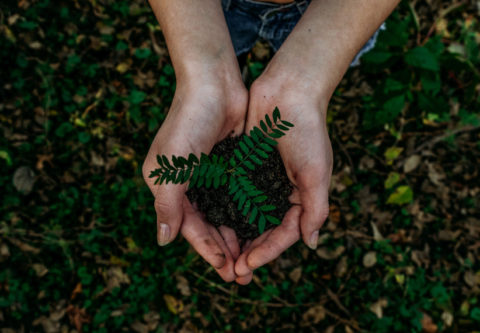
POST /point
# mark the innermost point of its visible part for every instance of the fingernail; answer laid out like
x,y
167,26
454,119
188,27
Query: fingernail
x,y
314,240
164,235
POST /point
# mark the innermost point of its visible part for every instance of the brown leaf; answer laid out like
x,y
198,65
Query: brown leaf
x,y
328,254
77,290
24,246
342,267
411,163
428,325
314,315
183,286
370,259
77,316
295,274
378,306
40,269
139,327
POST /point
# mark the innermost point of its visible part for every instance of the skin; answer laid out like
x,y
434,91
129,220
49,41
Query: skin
x,y
211,103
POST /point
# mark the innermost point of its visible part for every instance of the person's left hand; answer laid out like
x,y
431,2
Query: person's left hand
x,y
307,155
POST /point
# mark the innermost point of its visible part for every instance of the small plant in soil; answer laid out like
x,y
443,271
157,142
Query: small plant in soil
x,y
235,173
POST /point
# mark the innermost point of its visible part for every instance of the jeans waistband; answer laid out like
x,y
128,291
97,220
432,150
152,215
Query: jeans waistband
x,y
262,8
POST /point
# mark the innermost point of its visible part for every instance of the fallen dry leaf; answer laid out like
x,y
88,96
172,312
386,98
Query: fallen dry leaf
x,y
428,325
370,259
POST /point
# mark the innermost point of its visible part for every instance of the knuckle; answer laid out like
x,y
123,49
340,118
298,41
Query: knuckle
x,y
323,213
162,207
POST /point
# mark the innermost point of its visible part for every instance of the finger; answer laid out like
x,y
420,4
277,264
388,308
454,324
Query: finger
x,y
294,197
281,238
241,267
315,212
244,280
168,206
227,272
230,238
196,232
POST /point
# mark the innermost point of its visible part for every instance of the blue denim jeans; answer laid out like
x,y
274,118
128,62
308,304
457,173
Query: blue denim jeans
x,y
250,20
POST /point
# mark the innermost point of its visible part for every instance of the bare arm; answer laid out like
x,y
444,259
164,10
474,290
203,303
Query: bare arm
x,y
197,38
300,80
210,103
329,35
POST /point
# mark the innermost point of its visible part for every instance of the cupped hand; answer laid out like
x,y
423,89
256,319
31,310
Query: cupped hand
x,y
307,155
201,115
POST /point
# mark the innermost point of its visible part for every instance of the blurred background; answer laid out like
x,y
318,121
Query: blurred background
x,y
84,86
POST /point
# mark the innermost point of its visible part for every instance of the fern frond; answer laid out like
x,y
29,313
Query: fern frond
x,y
251,201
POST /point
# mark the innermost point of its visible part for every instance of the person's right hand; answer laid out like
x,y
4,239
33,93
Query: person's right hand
x,y
203,112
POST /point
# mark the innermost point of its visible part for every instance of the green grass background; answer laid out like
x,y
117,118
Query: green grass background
x,y
84,86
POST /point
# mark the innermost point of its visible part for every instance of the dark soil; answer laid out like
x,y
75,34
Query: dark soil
x,y
220,209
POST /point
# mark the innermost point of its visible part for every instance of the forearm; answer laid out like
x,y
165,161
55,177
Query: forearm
x,y
197,37
326,39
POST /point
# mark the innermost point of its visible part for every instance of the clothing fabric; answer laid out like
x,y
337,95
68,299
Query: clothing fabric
x,y
250,20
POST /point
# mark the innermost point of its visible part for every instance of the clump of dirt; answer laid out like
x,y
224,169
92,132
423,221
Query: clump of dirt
x,y
219,207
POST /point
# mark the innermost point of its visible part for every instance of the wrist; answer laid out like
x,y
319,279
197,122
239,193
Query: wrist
x,y
290,90
306,82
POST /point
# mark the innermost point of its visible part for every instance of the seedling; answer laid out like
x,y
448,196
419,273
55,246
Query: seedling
x,y
214,171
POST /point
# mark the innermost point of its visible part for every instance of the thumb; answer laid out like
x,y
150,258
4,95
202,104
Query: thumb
x,y
169,208
168,204
315,212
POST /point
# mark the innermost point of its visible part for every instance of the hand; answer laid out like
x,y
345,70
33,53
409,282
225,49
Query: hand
x,y
307,155
201,114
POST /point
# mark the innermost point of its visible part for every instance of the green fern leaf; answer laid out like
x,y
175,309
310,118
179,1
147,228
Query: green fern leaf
x,y
261,224
242,200
187,174
175,162
286,123
237,195
253,215
248,141
159,160
255,159
263,126
267,208
241,171
261,153
246,208
224,179
200,181
243,147
232,162
273,219
271,142
238,154
164,176
249,165
266,147
192,159
167,163
254,136
276,115
284,128
204,159
208,182
180,176
216,181
203,169
259,199
183,161
269,122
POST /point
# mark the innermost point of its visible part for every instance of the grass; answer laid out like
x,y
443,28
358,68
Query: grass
x,y
84,88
